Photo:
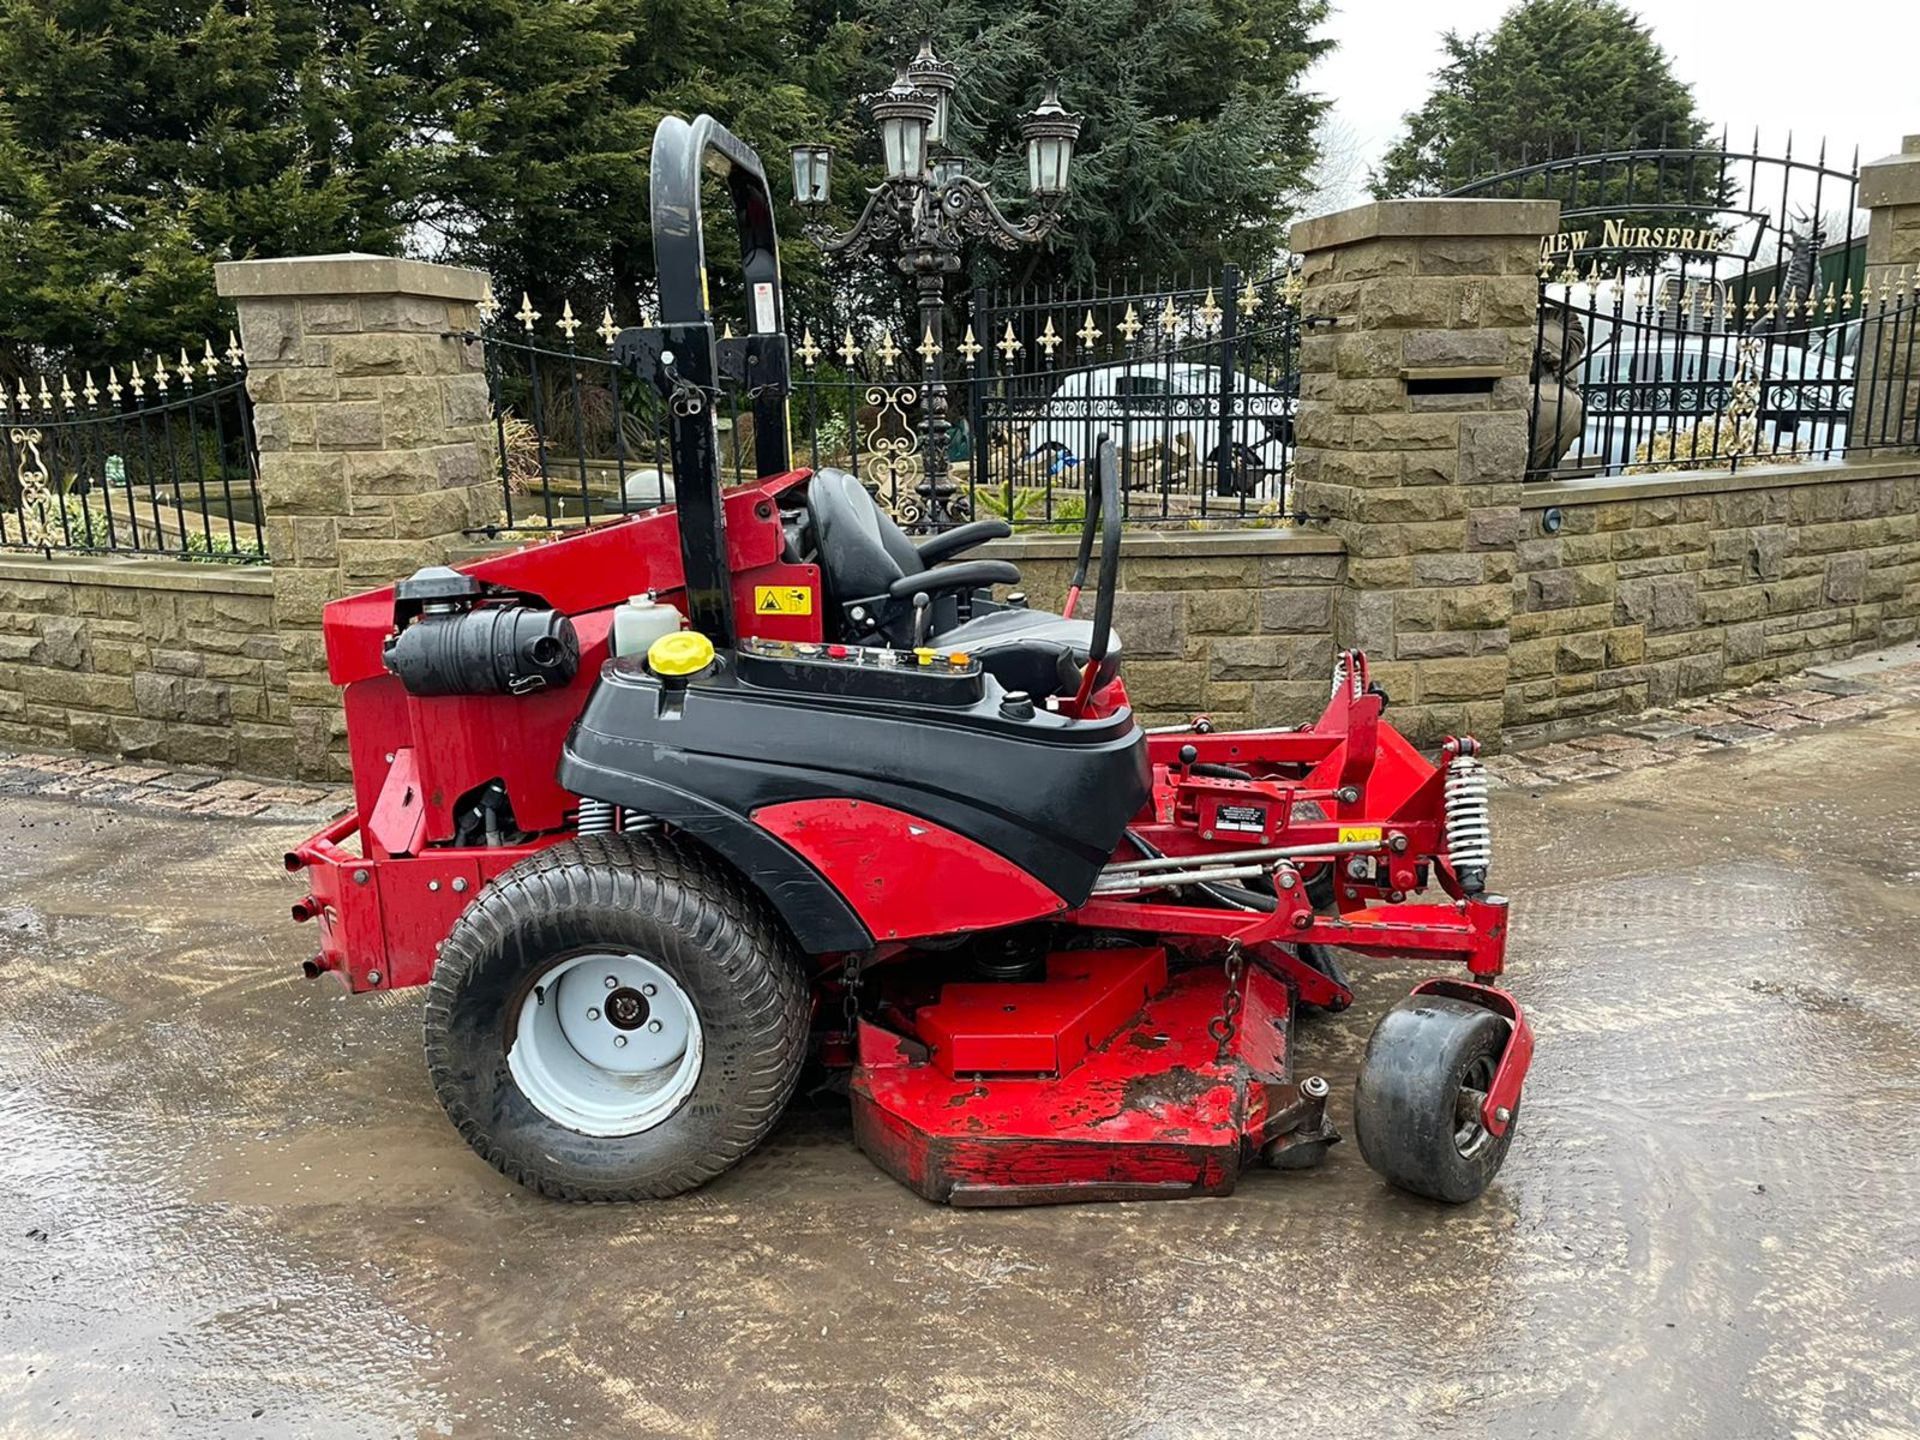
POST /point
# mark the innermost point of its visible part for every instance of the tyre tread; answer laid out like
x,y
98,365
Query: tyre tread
x,y
686,890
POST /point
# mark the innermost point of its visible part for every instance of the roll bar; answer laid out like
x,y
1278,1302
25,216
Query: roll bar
x,y
1103,519
682,358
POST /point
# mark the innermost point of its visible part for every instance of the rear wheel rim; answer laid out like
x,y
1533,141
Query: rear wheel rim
x,y
607,1044
1470,1133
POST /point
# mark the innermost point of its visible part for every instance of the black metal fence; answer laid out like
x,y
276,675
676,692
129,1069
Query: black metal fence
x,y
1708,308
161,462
1196,381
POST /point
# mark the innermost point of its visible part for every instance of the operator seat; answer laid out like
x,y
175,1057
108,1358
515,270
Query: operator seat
x,y
871,571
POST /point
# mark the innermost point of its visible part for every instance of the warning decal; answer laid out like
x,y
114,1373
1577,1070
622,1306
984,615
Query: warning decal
x,y
1359,833
782,600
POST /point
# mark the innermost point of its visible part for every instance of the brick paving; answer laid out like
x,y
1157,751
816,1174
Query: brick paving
x,y
1714,722
151,787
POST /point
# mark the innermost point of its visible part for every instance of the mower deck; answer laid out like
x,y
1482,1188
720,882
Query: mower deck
x,y
1104,1082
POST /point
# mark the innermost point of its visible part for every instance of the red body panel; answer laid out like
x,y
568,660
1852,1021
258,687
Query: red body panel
x,y
461,741
588,570
414,757
889,865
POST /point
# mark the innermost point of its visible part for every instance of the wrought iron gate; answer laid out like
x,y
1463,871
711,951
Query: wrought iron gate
x,y
160,462
1196,381
1704,307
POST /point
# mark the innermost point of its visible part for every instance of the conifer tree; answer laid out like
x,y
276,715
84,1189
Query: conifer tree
x,y
1554,78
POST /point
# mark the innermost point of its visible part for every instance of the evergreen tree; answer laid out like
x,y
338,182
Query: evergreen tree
x,y
532,124
142,140
1555,78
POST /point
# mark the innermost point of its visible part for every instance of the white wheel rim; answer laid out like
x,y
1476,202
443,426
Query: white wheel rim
x,y
606,1045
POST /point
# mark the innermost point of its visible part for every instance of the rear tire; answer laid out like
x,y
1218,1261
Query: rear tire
x,y
733,1010
1415,1114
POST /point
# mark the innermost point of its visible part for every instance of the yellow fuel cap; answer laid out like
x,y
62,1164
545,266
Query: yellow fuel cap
x,y
685,652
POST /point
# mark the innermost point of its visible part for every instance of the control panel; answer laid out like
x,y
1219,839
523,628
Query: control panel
x,y
926,675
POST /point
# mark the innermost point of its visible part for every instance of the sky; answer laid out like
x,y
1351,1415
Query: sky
x,y
1843,69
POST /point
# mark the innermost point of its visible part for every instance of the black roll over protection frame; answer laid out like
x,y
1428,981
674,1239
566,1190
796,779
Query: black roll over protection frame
x,y
681,358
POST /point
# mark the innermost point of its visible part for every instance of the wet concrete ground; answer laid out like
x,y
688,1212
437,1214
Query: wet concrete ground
x,y
229,1205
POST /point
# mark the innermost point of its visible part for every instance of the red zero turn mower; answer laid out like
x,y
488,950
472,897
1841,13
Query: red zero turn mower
x,y
859,811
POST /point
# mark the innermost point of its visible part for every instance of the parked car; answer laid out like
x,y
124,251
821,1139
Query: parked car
x,y
1634,394
1167,410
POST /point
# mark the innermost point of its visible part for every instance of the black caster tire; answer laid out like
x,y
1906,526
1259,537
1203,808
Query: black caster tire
x,y
616,1018
1414,1112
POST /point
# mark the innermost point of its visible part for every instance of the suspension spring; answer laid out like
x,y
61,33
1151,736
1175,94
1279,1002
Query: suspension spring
x,y
633,822
596,817
1349,668
1469,822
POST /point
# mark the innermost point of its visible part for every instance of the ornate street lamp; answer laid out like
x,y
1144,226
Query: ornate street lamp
x,y
934,206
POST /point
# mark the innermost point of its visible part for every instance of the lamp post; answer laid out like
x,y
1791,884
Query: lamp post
x,y
930,202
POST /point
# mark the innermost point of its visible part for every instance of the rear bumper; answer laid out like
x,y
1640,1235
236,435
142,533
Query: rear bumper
x,y
382,919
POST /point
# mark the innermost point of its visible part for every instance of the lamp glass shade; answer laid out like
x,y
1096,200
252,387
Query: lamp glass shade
x,y
1048,158
949,168
812,174
937,79
904,139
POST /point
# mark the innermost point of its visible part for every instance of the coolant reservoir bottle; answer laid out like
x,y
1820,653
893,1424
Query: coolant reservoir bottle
x,y
641,621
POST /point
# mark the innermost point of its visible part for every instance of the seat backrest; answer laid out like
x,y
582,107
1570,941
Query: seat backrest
x,y
862,551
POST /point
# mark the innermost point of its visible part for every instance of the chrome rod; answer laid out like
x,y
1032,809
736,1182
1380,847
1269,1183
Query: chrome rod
x,y
1134,883
1241,857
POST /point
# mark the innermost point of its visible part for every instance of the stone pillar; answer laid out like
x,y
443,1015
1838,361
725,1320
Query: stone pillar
x,y
1412,438
375,436
1886,408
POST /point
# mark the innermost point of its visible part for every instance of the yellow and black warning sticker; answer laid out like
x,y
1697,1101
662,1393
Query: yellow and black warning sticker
x,y
782,600
1359,833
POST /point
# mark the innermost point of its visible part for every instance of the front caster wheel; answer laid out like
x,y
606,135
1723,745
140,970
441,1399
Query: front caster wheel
x,y
616,1018
1416,1110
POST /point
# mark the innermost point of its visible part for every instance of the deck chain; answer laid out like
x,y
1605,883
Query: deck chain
x,y
1225,1026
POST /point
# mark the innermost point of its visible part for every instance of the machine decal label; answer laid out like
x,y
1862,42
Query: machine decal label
x,y
763,306
1240,817
1359,833
782,600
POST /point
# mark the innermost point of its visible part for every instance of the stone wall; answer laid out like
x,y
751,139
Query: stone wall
x,y
151,660
1629,594
1236,625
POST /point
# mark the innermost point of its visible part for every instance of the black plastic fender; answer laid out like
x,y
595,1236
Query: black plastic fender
x,y
821,921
